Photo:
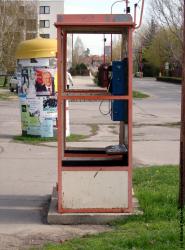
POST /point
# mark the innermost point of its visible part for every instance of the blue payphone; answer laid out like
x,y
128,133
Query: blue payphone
x,y
119,86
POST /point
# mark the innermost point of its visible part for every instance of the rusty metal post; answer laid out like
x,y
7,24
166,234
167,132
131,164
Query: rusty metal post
x,y
182,134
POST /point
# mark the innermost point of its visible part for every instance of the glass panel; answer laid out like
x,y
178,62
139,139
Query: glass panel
x,y
47,10
47,23
41,9
42,23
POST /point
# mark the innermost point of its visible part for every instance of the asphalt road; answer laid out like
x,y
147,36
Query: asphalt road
x,y
156,120
166,92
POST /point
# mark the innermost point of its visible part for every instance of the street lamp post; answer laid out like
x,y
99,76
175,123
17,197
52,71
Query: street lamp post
x,y
119,1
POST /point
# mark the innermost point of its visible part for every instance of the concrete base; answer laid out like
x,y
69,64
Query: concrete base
x,y
85,218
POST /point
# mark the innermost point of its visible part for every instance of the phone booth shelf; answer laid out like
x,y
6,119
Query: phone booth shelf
x,y
93,185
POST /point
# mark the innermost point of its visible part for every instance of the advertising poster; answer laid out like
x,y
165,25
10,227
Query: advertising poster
x,y
47,128
35,112
37,96
24,114
50,107
44,84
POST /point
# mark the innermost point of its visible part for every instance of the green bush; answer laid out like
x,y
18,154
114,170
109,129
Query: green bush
x,y
149,70
176,80
80,69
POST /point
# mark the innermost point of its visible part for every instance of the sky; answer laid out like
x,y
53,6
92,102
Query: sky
x,y
94,43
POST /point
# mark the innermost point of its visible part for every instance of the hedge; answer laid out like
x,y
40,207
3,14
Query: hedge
x,y
176,80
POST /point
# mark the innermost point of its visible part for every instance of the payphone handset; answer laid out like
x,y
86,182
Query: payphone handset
x,y
115,78
104,75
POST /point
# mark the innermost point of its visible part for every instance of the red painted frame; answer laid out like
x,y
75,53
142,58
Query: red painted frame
x,y
84,24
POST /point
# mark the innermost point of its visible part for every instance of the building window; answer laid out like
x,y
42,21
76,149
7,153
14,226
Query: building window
x,y
44,10
44,23
44,35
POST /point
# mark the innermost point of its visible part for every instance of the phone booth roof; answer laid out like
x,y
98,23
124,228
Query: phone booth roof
x,y
94,23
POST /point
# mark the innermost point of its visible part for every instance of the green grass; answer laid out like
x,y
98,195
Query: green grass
x,y
2,79
8,96
33,139
158,229
139,95
75,138
38,140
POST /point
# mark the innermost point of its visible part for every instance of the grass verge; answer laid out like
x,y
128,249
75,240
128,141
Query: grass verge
x,y
8,96
2,82
39,140
33,139
158,229
75,138
139,95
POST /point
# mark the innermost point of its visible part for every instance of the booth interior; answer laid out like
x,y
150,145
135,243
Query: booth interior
x,y
106,92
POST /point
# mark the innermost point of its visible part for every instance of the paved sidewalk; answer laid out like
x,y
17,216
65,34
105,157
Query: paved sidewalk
x,y
27,176
28,173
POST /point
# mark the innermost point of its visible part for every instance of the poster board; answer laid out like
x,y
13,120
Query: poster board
x,y
37,95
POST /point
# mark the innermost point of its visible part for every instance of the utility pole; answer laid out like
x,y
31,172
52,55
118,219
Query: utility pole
x,y
182,143
182,134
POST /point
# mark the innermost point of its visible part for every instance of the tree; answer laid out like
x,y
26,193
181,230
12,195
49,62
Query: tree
x,y
78,51
169,15
143,40
157,53
18,21
116,48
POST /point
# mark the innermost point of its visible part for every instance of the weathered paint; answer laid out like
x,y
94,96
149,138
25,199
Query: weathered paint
x,y
86,189
94,19
94,189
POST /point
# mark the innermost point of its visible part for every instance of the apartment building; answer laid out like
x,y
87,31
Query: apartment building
x,y
48,11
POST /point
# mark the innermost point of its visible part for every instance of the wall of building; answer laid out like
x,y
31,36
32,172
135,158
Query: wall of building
x,y
56,7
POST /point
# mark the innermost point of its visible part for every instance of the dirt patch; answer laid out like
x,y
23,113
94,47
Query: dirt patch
x,y
48,234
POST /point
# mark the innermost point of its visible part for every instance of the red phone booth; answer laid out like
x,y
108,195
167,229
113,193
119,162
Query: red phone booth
x,y
95,185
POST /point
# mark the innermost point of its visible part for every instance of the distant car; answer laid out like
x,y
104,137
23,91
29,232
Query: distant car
x,y
13,84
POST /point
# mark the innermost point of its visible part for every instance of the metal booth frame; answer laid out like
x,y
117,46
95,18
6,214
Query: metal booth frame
x,y
102,24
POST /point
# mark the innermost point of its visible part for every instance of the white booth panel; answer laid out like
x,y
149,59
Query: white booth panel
x,y
94,189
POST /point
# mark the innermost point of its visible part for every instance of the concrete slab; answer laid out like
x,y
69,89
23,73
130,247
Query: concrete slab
x,y
85,218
